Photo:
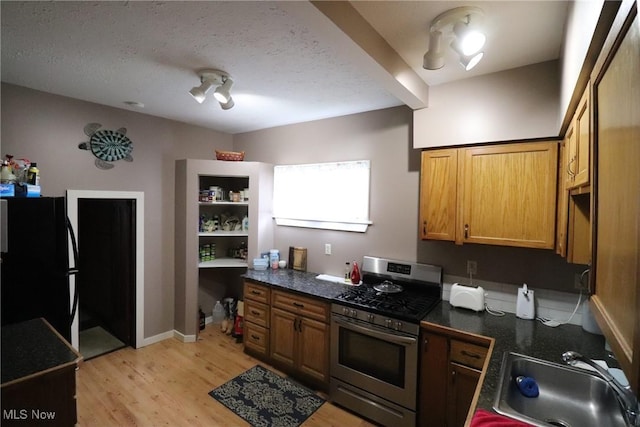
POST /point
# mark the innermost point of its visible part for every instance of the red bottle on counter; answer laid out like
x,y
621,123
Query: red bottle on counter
x,y
355,274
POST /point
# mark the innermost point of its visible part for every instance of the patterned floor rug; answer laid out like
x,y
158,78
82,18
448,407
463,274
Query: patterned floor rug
x,y
265,399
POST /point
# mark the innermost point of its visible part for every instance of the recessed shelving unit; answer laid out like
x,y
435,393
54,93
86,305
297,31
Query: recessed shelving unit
x,y
217,226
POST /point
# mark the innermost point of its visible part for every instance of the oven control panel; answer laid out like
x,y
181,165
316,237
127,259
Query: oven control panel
x,y
375,319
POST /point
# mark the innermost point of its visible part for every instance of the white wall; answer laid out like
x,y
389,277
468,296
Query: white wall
x,y
516,104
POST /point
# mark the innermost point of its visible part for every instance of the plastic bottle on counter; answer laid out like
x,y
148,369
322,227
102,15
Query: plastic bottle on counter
x,y
355,274
274,258
347,272
218,314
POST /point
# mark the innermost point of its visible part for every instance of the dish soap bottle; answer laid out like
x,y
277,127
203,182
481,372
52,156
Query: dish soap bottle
x,y
355,274
347,272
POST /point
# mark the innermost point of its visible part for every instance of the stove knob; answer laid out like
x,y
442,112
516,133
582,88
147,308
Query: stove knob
x,y
354,313
388,323
345,311
370,317
398,326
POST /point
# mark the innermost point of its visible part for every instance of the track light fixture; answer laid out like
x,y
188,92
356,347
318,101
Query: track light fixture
x,y
222,93
460,24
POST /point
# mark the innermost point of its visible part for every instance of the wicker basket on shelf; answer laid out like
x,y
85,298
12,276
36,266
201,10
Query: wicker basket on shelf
x,y
232,156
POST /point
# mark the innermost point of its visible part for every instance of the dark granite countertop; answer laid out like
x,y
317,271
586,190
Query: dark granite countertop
x,y
511,334
31,347
298,281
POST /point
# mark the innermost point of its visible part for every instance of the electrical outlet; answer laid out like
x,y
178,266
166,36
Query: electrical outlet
x,y
327,248
472,267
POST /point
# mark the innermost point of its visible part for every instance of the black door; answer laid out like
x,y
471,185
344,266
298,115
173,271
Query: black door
x,y
106,278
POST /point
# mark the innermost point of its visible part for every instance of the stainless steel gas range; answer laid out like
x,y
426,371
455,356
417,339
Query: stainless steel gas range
x,y
374,339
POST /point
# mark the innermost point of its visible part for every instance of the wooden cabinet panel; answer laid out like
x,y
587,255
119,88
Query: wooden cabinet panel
x,y
468,354
313,349
257,319
432,397
583,144
438,194
283,337
256,338
562,210
451,364
298,304
498,194
300,336
462,386
256,312
616,95
509,194
256,292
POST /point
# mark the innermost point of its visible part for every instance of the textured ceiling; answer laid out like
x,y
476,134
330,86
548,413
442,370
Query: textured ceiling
x,y
290,62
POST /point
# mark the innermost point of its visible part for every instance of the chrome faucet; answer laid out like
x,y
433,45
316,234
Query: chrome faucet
x,y
625,395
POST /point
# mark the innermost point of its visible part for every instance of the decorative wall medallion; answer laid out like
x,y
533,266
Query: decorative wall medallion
x,y
107,145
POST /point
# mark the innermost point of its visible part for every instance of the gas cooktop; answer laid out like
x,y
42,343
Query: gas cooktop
x,y
403,290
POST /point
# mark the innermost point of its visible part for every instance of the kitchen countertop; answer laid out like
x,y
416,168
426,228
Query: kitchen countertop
x,y
511,334
298,281
33,347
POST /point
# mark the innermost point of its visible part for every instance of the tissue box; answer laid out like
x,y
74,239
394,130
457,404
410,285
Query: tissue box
x,y
7,190
27,190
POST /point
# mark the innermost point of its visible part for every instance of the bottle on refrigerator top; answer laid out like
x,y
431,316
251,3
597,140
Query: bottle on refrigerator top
x,y
33,174
355,274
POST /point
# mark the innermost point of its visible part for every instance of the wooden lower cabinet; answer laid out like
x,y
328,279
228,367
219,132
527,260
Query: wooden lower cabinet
x,y
450,368
257,319
461,387
288,330
300,343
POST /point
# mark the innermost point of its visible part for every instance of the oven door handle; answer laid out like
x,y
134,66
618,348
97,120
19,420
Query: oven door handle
x,y
375,333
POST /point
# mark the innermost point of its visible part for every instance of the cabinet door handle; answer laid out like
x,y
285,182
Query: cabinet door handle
x,y
472,355
253,291
466,231
255,313
255,337
424,228
297,304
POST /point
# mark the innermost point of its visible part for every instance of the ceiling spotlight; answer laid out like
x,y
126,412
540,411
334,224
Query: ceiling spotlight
x,y
459,24
209,79
222,93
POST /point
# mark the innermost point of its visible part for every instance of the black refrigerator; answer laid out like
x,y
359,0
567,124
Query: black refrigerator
x,y
35,262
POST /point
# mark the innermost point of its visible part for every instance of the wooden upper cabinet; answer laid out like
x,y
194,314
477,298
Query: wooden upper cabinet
x,y
438,194
577,156
498,194
582,122
509,194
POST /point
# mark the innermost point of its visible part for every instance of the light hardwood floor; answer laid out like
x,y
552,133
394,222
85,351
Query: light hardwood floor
x,y
167,384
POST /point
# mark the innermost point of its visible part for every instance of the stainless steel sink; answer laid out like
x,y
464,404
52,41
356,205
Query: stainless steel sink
x,y
569,397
